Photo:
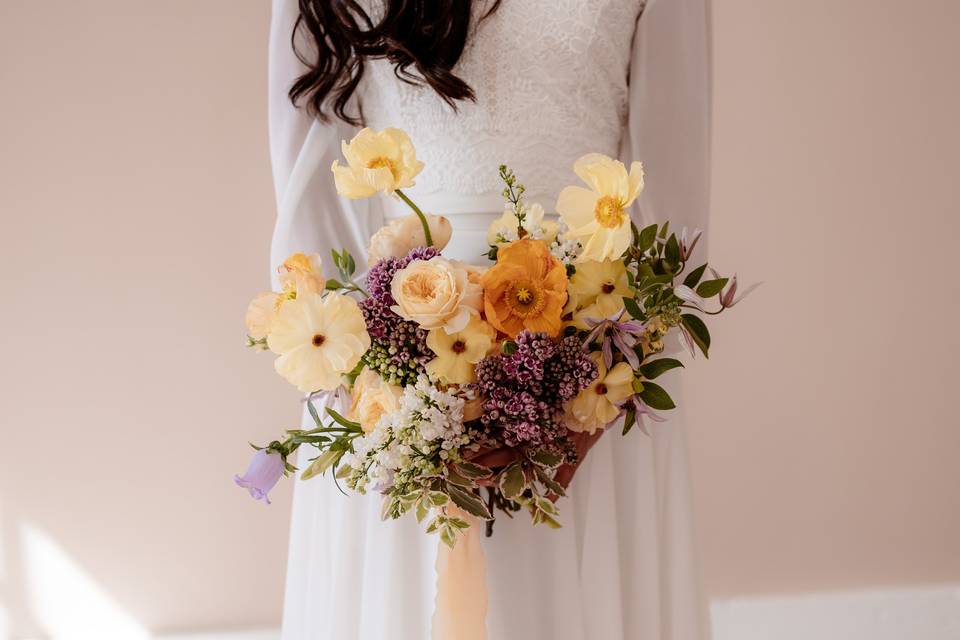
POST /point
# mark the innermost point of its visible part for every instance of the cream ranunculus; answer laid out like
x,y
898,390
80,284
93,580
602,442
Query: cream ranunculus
x,y
302,273
372,399
376,161
436,293
261,314
597,290
458,353
599,217
599,404
319,339
399,236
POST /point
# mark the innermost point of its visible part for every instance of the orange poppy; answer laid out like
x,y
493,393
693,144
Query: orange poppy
x,y
526,289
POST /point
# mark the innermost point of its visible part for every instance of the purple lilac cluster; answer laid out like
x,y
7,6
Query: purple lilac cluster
x,y
525,390
398,350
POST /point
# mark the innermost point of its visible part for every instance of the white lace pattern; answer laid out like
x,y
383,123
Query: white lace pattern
x,y
551,83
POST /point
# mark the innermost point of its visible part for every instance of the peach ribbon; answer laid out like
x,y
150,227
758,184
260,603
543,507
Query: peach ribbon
x,y
461,606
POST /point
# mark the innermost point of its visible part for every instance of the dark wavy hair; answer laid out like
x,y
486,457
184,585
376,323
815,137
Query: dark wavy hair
x,y
423,39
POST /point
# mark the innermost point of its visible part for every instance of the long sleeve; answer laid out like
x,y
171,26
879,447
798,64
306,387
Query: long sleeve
x,y
668,127
311,216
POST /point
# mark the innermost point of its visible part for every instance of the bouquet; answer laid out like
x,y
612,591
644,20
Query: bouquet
x,y
476,390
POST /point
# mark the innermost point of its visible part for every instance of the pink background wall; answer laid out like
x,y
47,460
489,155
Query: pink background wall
x,y
137,209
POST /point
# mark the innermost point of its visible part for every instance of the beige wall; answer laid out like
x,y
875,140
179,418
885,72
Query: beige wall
x,y
137,210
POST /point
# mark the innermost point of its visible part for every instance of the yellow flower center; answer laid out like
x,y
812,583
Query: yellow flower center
x,y
525,299
608,287
318,340
609,212
458,347
601,389
382,161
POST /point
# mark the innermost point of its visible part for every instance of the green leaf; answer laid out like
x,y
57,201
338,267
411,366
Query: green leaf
x,y
351,265
448,536
512,481
321,463
438,498
710,288
656,397
471,470
694,276
546,459
664,229
333,285
423,509
454,477
549,483
629,420
672,251
632,308
313,411
509,347
698,331
655,368
647,236
343,422
468,501
343,472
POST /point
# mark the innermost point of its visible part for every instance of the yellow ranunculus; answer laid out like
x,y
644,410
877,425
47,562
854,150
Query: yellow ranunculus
x,y
302,273
376,161
372,398
399,236
319,339
599,217
436,293
597,290
458,353
261,314
599,404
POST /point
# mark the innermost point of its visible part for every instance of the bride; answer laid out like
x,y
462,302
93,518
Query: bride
x,y
533,84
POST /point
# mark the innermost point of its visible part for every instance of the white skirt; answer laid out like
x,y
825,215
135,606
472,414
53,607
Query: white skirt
x,y
622,566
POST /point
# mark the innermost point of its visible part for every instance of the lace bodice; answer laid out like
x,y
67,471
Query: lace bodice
x,y
550,78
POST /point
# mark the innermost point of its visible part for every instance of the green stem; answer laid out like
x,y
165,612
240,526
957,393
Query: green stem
x,y
423,218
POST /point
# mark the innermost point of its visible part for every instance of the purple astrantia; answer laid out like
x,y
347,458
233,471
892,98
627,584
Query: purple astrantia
x,y
525,390
613,333
262,475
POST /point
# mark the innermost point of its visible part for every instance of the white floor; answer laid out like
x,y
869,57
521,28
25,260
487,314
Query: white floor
x,y
929,613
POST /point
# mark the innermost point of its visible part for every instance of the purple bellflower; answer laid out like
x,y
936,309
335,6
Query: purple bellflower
x,y
264,471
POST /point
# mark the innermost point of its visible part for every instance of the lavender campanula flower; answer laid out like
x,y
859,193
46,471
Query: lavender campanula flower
x,y
262,475
613,333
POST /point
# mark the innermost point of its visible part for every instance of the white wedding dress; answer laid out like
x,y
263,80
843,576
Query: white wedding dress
x,y
554,79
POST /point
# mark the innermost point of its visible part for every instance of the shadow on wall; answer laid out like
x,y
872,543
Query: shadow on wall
x,y
45,594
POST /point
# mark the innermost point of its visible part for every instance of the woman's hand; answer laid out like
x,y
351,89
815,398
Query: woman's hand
x,y
499,458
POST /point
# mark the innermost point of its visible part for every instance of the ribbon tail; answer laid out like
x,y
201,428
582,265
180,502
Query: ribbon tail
x,y
461,606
